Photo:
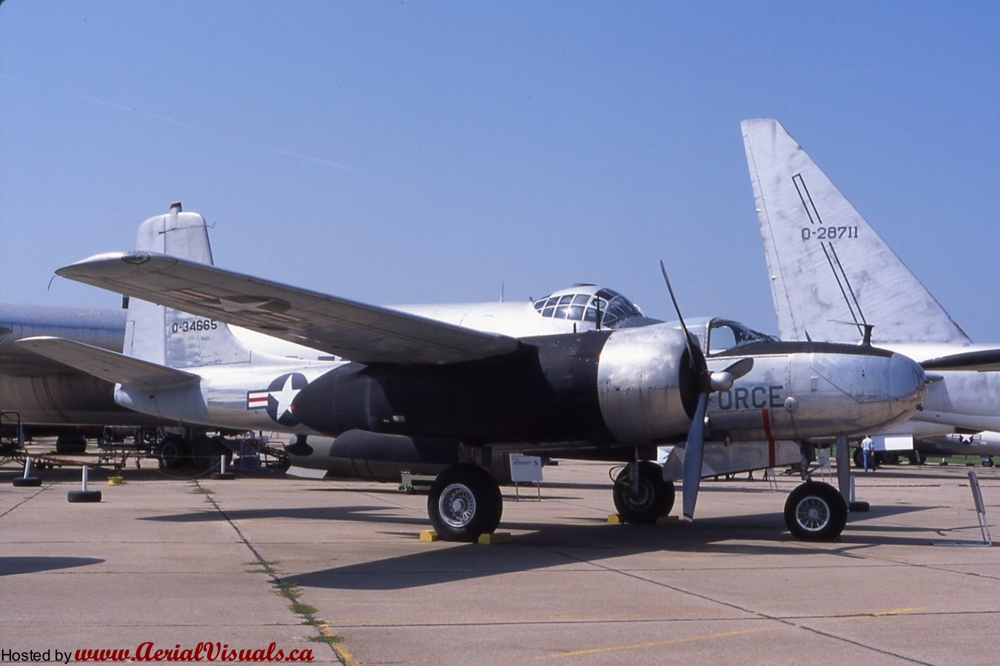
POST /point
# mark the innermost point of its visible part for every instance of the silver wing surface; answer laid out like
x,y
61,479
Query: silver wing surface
x,y
985,360
352,330
104,364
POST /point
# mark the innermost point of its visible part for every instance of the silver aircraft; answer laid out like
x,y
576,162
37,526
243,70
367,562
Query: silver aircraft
x,y
834,279
43,397
579,373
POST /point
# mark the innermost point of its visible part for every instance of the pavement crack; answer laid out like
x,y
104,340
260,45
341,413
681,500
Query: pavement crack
x,y
24,500
289,591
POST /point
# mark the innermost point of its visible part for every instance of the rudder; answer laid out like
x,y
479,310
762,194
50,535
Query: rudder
x,y
826,265
170,337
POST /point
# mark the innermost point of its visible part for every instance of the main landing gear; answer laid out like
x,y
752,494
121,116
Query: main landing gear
x,y
197,449
815,511
464,502
640,493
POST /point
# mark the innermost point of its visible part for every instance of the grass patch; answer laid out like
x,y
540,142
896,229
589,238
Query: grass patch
x,y
329,640
302,609
288,590
202,491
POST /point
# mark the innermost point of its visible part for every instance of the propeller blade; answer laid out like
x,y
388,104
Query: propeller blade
x,y
687,338
741,367
723,380
694,452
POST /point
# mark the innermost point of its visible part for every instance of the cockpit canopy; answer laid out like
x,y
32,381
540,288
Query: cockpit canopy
x,y
724,335
605,308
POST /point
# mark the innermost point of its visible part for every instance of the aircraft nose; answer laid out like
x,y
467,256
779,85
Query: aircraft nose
x,y
907,380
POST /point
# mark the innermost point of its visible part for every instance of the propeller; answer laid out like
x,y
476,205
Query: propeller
x,y
707,382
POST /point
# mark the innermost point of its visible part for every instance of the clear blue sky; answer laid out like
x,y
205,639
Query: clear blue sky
x,y
428,152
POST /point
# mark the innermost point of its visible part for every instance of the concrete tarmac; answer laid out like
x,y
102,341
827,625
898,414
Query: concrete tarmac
x,y
336,568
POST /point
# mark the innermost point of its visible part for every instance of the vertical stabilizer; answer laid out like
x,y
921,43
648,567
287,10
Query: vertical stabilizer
x,y
830,273
170,337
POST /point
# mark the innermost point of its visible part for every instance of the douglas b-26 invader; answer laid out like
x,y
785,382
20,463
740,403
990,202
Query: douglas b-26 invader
x,y
572,375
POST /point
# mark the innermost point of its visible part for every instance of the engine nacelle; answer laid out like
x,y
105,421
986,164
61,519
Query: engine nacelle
x,y
646,384
597,388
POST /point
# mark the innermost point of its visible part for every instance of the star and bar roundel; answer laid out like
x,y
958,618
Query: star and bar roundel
x,y
277,398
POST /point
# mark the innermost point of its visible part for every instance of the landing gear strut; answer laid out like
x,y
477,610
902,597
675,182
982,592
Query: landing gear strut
x,y
464,502
643,499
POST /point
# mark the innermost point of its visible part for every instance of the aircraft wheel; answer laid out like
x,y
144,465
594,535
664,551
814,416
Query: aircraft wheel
x,y
464,502
815,512
655,497
172,453
205,452
69,445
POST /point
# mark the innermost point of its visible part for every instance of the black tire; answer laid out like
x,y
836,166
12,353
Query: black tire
x,y
84,496
71,445
464,503
172,453
654,499
205,452
26,482
815,512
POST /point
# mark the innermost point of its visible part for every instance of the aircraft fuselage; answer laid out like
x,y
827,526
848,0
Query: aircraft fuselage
x,y
605,388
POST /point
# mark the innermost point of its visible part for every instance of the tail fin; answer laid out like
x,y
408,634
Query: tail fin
x,y
171,337
827,266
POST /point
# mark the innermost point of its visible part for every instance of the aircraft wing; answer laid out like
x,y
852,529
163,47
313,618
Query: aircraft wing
x,y
104,364
355,331
985,360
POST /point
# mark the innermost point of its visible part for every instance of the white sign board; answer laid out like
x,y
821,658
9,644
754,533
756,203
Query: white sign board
x,y
893,442
823,458
525,469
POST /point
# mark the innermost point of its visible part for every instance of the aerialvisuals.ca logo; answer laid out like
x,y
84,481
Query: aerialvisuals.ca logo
x,y
202,652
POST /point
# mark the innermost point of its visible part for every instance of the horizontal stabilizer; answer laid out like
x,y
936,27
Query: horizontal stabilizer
x,y
984,360
352,330
103,364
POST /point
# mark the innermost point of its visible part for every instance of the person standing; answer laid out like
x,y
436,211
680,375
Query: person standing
x,y
868,452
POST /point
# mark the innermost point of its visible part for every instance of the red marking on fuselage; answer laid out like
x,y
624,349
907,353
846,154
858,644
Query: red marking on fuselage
x,y
772,454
